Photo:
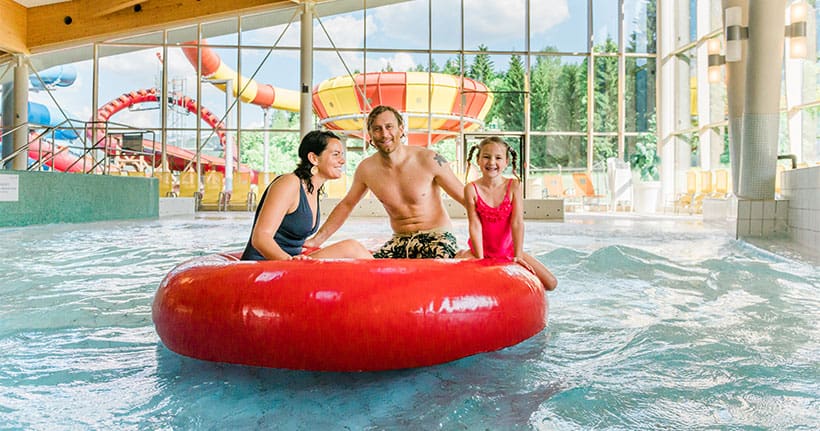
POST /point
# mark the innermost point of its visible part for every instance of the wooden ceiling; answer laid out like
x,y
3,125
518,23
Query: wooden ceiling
x,y
49,24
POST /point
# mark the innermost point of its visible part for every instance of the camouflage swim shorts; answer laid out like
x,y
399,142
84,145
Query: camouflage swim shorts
x,y
420,245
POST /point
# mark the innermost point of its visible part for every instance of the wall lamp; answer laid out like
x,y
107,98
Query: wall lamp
x,y
715,60
797,29
735,33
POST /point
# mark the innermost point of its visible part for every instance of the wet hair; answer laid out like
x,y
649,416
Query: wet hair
x,y
512,156
314,142
371,117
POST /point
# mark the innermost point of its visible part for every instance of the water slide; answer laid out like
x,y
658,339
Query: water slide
x,y
54,156
263,95
58,76
178,158
61,158
342,103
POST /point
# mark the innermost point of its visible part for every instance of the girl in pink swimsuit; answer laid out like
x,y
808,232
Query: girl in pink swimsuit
x,y
495,210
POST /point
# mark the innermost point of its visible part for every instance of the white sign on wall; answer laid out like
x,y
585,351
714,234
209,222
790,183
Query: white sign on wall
x,y
9,188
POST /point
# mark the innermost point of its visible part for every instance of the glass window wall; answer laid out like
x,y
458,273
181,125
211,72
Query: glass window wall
x,y
551,73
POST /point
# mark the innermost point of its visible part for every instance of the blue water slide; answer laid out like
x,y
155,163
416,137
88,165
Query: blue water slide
x,y
59,76
42,115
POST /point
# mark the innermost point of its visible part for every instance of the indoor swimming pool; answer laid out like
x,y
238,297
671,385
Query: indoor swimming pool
x,y
656,324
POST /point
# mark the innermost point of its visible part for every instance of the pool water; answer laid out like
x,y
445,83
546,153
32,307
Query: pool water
x,y
656,324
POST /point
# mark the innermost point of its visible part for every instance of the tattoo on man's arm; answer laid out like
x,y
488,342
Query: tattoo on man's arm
x,y
440,159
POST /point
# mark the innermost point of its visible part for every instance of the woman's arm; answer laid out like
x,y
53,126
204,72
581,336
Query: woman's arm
x,y
476,238
517,218
283,198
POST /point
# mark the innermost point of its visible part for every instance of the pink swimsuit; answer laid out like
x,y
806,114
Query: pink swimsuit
x,y
496,230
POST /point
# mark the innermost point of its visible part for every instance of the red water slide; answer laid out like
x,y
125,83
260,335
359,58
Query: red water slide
x,y
178,158
57,157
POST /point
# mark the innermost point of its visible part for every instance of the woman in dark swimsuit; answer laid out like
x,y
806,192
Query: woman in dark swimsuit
x,y
288,211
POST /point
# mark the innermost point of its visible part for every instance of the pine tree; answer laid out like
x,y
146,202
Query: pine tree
x,y
482,67
508,106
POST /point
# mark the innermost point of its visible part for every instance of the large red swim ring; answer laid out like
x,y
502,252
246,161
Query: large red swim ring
x,y
346,315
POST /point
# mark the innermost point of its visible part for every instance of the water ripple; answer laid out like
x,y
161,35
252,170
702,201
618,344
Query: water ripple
x,y
660,327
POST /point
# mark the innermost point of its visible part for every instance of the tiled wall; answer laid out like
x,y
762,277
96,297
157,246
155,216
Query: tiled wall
x,y
30,198
761,218
802,189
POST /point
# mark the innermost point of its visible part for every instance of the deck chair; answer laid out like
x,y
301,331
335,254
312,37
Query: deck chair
x,y
585,189
188,184
212,197
684,200
263,179
242,198
619,178
166,183
705,191
554,184
336,188
721,189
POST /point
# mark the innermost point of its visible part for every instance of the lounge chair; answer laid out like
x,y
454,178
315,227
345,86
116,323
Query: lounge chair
x,y
188,184
554,184
684,200
263,179
705,191
619,178
721,190
212,198
242,198
166,183
585,189
336,188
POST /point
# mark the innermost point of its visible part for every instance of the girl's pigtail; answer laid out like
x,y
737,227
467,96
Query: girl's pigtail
x,y
513,161
468,159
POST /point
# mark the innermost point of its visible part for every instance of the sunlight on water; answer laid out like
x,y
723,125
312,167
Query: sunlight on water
x,y
655,325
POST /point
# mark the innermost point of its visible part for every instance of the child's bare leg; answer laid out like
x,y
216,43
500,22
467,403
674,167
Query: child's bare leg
x,y
547,279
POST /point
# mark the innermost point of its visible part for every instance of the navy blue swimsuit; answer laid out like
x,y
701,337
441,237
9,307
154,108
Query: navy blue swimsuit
x,y
296,227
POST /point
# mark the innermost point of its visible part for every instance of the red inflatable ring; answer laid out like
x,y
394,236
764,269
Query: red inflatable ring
x,y
346,315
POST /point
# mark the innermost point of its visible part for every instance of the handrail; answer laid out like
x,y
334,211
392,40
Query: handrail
x,y
120,129
47,129
16,152
791,157
97,144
